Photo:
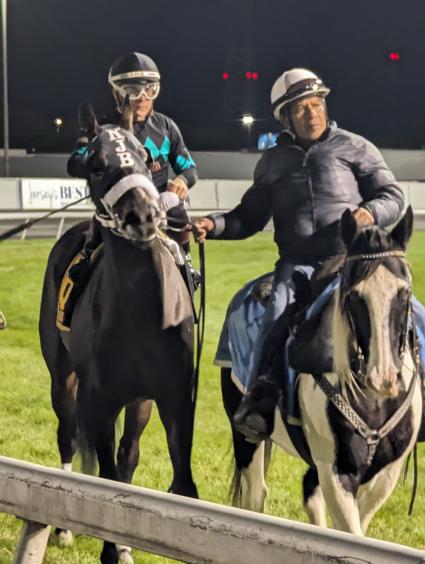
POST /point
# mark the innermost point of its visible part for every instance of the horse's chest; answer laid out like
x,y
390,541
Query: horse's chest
x,y
352,451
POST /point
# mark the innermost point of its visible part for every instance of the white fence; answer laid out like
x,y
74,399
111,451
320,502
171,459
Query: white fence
x,y
170,525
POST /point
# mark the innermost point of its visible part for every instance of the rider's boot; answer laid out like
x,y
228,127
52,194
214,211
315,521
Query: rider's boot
x,y
273,382
195,274
182,237
254,417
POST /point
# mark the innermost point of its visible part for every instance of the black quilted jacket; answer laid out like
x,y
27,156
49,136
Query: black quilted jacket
x,y
306,192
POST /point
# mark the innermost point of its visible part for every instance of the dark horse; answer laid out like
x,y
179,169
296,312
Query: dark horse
x,y
131,337
359,416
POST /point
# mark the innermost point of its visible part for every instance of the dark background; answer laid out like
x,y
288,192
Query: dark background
x,y
59,54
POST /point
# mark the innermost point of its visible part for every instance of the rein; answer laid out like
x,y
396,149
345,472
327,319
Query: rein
x,y
29,223
200,332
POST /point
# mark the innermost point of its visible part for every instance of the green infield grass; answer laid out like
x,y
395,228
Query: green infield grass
x,y
28,425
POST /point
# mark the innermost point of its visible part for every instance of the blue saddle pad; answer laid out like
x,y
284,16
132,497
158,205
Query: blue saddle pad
x,y
240,331
243,322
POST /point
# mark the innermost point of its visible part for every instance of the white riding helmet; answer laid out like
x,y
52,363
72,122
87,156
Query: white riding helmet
x,y
294,84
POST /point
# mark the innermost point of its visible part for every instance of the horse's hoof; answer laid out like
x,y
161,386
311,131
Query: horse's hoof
x,y
124,554
3,323
64,537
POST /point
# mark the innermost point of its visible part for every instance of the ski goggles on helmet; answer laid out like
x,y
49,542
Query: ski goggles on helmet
x,y
136,89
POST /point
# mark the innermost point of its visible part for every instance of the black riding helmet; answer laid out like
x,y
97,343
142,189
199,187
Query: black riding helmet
x,y
134,74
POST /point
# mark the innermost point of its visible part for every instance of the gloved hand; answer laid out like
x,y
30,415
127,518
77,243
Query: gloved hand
x,y
179,187
89,127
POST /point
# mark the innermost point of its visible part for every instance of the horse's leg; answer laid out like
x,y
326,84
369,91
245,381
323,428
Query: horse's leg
x,y
373,494
314,502
97,414
137,416
249,487
176,411
250,490
63,392
340,500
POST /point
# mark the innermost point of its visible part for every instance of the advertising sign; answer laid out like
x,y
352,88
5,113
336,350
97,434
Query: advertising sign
x,y
53,193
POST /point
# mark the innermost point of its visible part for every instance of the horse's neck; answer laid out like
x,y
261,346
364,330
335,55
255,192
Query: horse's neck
x,y
127,266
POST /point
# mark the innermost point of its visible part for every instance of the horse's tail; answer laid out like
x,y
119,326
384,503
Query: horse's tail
x,y
235,492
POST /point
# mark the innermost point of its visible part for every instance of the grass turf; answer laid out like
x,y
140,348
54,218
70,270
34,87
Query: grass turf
x,y
28,425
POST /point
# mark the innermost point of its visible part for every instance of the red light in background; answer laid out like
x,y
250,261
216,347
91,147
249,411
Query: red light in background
x,y
248,75
394,56
255,76
225,76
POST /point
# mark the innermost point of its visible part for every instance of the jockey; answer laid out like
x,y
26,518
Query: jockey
x,y
314,173
137,76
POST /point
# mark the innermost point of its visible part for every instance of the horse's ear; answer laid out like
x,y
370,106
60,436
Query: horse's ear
x,y
348,227
127,115
403,230
87,120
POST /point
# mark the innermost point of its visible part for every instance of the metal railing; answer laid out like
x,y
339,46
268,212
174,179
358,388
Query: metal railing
x,y
170,525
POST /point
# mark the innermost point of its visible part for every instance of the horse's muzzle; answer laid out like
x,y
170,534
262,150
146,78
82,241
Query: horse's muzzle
x,y
385,385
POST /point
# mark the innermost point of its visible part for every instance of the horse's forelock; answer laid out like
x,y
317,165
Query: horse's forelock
x,y
370,240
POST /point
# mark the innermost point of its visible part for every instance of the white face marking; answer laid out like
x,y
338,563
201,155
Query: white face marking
x,y
378,292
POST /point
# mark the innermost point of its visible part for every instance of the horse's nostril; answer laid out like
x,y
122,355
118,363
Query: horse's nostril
x,y
132,218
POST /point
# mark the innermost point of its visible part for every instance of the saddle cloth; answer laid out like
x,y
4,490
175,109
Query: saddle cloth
x,y
176,300
65,291
308,349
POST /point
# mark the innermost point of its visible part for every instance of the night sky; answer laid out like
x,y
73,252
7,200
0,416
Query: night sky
x,y
60,53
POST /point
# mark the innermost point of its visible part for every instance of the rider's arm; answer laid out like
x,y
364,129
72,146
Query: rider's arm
x,y
382,196
180,160
251,215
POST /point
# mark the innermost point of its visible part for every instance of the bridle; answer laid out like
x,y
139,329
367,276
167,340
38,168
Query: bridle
x,y
374,436
112,221
360,357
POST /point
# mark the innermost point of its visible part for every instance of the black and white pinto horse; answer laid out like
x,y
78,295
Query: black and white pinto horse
x,y
359,420
124,348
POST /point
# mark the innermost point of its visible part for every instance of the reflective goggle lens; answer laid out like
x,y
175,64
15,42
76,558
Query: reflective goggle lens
x,y
135,90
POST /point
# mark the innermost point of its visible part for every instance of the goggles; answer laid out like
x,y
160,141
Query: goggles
x,y
135,90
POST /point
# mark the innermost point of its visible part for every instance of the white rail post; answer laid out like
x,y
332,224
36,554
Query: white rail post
x,y
32,543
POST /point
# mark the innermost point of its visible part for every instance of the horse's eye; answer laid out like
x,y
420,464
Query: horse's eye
x,y
403,294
